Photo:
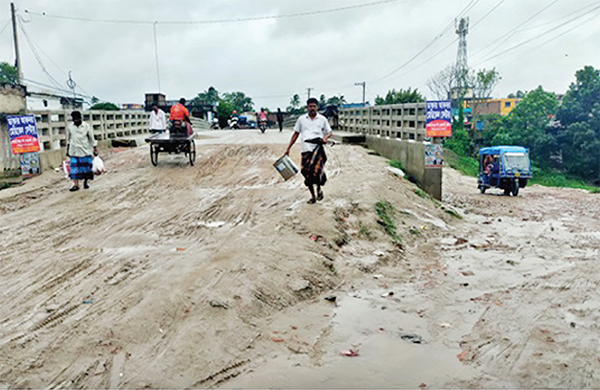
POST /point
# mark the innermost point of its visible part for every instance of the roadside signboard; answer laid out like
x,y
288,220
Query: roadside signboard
x,y
23,134
434,155
30,164
439,118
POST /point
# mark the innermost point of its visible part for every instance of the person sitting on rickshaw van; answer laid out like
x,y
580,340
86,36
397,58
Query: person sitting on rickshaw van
x,y
180,113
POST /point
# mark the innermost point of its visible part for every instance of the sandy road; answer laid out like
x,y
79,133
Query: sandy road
x,y
214,275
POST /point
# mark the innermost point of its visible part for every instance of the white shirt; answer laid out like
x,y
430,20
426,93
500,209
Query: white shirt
x,y
81,140
158,120
311,128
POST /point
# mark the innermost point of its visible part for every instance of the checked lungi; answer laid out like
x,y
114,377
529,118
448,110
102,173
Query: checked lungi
x,y
81,168
312,167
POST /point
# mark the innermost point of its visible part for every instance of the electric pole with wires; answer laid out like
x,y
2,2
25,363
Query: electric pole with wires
x,y
16,40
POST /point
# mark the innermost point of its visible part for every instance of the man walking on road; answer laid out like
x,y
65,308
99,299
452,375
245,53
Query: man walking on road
x,y
81,145
280,119
314,131
158,121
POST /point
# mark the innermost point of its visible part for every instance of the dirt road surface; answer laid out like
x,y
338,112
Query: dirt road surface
x,y
216,276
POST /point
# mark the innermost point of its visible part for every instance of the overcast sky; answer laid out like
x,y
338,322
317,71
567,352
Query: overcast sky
x,y
530,42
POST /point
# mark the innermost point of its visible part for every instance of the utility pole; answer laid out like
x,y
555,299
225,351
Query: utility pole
x,y
309,89
17,56
364,85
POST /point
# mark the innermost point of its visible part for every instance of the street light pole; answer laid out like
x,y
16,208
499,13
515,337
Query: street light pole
x,y
364,85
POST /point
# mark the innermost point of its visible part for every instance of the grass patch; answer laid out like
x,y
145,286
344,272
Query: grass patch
x,y
415,231
363,231
452,213
425,195
468,166
386,212
397,164
558,179
422,193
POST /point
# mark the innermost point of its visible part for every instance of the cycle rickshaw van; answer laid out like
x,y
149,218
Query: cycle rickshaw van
x,y
504,167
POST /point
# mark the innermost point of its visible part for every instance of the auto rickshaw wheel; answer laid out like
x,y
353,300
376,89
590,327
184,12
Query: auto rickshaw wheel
x,y
514,188
482,189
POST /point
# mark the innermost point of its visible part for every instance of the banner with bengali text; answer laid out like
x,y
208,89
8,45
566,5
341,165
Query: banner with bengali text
x,y
439,118
22,131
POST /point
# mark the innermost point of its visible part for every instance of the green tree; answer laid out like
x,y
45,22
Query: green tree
x,y
528,125
105,106
460,142
295,105
210,96
322,101
8,74
238,100
401,96
336,100
483,83
579,114
224,111
519,95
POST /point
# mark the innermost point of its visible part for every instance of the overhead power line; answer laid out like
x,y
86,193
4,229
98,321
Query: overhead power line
x,y
488,13
216,21
591,17
548,31
510,33
53,88
465,10
34,49
5,26
37,57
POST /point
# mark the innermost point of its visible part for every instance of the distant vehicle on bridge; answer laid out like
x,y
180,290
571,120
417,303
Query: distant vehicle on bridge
x,y
504,167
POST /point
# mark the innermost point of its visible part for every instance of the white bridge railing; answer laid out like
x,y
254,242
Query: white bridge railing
x,y
402,121
52,125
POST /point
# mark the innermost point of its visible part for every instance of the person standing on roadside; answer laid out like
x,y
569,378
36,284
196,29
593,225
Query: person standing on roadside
x,y
81,147
158,121
314,130
280,119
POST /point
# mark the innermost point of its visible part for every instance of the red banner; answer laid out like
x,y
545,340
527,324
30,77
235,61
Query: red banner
x,y
439,128
25,144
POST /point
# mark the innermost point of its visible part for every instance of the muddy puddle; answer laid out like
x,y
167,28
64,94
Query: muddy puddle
x,y
394,347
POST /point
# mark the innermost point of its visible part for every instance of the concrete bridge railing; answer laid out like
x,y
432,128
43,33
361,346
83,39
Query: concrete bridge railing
x,y
397,132
107,125
52,125
400,121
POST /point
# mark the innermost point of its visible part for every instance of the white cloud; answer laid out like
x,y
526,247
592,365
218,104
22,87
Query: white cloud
x,y
328,52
